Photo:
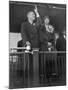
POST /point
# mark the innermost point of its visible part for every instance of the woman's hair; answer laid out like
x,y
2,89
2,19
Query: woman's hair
x,y
45,17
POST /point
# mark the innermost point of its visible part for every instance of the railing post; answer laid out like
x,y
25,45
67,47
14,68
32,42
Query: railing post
x,y
26,67
35,65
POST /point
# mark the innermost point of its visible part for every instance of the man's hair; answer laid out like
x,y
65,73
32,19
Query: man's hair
x,y
29,13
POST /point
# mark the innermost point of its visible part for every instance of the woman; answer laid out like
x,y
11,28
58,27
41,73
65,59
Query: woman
x,y
47,37
47,43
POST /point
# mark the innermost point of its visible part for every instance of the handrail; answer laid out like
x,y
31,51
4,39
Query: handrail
x,y
31,52
16,48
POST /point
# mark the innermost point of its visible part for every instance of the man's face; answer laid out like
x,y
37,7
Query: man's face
x,y
64,34
31,15
56,36
46,21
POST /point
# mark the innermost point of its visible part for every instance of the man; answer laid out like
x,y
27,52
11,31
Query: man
x,y
61,46
29,29
61,42
29,32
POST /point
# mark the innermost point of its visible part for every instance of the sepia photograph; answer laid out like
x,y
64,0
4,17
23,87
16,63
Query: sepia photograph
x,y
37,44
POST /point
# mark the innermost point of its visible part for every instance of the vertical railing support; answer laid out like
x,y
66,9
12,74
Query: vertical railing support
x,y
35,65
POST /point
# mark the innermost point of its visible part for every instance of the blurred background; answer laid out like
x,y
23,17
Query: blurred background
x,y
18,11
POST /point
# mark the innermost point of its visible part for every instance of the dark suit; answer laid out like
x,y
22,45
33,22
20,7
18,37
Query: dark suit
x,y
29,33
61,46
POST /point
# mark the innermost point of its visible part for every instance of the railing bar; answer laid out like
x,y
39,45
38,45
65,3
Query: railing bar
x,y
24,68
52,63
28,68
12,69
16,48
44,64
52,52
14,53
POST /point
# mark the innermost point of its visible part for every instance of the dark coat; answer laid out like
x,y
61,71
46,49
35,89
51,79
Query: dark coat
x,y
46,37
61,44
20,44
29,33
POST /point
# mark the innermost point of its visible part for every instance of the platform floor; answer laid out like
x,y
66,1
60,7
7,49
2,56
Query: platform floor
x,y
27,81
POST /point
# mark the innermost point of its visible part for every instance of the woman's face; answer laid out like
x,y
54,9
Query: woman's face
x,y
46,21
51,28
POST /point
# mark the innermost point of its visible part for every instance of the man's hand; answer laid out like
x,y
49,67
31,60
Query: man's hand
x,y
28,46
49,44
36,11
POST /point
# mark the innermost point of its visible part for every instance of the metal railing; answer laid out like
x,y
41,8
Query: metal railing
x,y
37,64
